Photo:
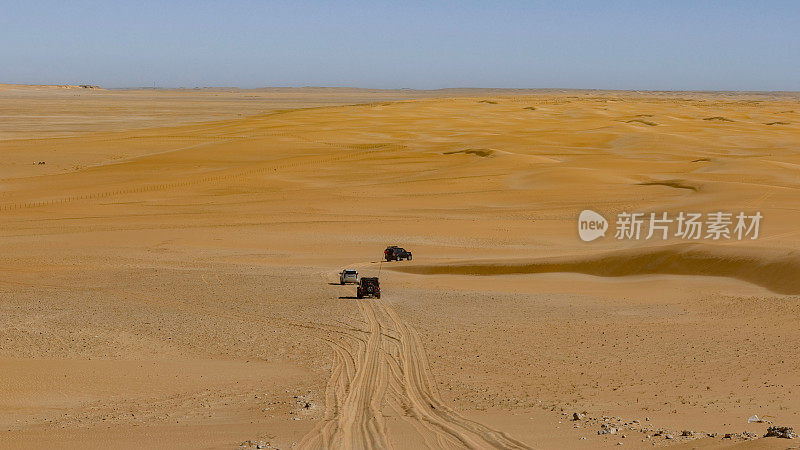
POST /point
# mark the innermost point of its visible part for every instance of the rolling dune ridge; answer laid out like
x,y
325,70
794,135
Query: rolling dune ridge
x,y
169,267
774,270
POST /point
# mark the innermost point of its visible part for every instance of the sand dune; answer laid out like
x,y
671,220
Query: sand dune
x,y
171,266
774,270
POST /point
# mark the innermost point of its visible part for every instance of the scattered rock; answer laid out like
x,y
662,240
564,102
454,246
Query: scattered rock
x,y
781,432
255,444
746,435
669,436
607,429
577,416
687,433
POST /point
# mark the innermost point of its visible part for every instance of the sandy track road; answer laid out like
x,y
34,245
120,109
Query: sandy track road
x,y
386,373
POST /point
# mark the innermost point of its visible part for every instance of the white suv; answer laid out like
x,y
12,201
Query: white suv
x,y
348,276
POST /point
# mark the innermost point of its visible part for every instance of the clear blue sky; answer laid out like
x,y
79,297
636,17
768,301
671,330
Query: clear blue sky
x,y
665,44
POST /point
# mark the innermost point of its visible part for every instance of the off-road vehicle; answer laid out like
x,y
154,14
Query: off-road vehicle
x,y
395,253
348,276
368,287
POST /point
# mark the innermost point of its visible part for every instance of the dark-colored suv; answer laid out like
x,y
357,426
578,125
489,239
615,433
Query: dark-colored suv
x,y
395,253
368,287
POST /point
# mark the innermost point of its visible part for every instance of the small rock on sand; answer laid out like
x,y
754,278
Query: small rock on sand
x,y
607,429
781,432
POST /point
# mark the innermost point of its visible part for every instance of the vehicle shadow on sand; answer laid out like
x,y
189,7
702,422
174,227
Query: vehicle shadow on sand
x,y
348,298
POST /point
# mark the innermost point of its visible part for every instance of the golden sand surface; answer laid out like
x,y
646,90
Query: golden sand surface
x,y
168,273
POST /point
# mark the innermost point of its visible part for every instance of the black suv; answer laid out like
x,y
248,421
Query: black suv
x,y
368,287
395,253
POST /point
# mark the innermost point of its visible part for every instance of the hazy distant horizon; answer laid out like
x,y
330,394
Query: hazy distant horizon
x,y
626,45
544,89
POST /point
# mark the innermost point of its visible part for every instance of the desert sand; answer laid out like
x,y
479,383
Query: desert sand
x,y
169,260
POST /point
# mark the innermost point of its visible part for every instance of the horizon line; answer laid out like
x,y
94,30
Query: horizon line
x,y
94,86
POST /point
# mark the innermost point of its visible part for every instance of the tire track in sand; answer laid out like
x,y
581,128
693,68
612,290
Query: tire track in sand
x,y
387,371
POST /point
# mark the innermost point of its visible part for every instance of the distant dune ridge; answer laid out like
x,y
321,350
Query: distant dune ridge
x,y
774,270
47,86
